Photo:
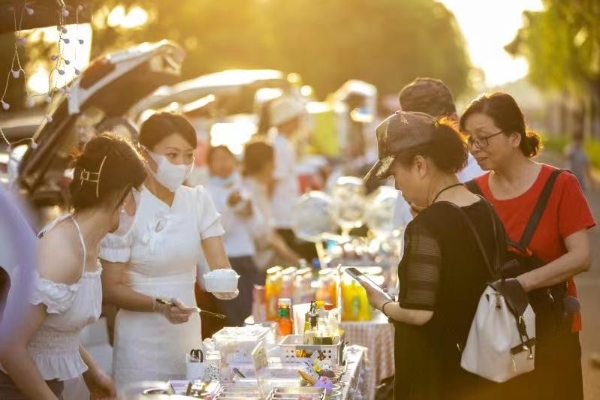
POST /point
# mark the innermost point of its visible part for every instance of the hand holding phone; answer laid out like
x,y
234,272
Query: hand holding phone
x,y
368,284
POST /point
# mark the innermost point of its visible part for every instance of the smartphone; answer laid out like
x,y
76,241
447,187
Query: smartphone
x,y
360,277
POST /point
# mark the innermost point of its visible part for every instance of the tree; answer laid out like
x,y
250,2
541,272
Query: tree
x,y
562,45
385,42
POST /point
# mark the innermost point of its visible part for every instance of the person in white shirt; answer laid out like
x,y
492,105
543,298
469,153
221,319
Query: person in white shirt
x,y
239,218
271,249
433,97
150,272
285,117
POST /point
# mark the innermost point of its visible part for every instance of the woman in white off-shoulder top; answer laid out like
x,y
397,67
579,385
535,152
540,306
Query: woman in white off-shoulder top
x,y
67,291
174,227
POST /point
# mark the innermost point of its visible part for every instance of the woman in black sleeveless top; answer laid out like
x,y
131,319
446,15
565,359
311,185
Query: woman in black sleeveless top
x,y
442,274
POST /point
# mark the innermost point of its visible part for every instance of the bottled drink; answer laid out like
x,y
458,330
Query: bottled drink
x,y
259,308
284,316
272,291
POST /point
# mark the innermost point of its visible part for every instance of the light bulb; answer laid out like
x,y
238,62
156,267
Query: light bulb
x,y
79,8
64,30
21,41
16,73
77,72
80,41
61,72
33,145
67,62
29,102
66,40
54,57
29,10
48,99
5,105
48,118
65,12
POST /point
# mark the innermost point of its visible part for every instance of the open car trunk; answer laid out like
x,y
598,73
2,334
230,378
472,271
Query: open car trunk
x,y
107,89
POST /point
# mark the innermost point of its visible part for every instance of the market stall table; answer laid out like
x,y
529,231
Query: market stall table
x,y
377,335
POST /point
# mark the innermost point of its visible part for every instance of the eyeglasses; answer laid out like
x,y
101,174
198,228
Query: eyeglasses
x,y
481,142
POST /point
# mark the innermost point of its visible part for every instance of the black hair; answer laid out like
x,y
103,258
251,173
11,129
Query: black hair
x,y
161,125
508,117
257,154
447,149
114,163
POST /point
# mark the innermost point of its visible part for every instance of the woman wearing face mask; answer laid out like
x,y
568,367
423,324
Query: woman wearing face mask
x,y
67,294
239,217
558,249
442,273
156,259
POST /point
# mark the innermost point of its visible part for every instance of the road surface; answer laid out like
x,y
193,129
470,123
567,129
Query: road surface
x,y
588,285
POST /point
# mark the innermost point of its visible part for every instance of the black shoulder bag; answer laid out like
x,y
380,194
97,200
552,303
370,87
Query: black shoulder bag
x,y
547,303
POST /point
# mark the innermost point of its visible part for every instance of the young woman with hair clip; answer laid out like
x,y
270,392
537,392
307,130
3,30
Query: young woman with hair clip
x,y
67,293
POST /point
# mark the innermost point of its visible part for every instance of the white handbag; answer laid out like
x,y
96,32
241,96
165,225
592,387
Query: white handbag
x,y
501,341
500,346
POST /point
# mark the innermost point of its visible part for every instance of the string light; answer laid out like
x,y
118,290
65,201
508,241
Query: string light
x,y
60,63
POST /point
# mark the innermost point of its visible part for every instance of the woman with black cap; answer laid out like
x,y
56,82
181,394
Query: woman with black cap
x,y
442,274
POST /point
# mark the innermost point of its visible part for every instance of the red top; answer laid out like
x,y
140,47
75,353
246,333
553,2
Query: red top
x,y
567,212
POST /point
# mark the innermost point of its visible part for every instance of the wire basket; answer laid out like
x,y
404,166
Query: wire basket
x,y
293,349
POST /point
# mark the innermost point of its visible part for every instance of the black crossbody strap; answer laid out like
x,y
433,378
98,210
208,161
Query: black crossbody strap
x,y
473,187
494,270
539,209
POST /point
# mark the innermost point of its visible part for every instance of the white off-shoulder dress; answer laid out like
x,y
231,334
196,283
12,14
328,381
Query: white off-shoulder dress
x,y
161,252
54,347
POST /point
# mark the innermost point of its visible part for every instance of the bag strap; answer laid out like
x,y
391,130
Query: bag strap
x,y
494,270
539,209
473,187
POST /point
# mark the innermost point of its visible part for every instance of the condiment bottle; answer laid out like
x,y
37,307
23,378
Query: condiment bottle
x,y
284,316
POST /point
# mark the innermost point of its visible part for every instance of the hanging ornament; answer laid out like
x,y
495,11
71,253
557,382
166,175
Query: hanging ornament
x,y
5,105
48,99
66,40
29,102
65,12
29,10
48,118
21,41
54,57
16,73
80,41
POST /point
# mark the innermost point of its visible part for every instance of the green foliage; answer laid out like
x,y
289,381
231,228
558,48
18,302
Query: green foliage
x,y
562,45
385,42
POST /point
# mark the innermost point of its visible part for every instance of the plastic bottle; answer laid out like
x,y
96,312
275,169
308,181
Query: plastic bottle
x,y
272,291
284,316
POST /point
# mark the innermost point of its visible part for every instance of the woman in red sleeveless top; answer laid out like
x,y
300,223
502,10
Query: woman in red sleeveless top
x,y
500,143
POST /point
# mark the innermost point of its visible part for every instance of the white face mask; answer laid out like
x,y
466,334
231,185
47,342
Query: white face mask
x,y
170,175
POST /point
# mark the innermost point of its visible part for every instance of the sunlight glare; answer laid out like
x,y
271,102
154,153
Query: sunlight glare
x,y
488,26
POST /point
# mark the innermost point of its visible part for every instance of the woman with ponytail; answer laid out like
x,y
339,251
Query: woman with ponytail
x,y
552,253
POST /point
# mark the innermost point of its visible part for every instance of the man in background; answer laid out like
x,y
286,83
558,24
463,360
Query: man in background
x,y
433,97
